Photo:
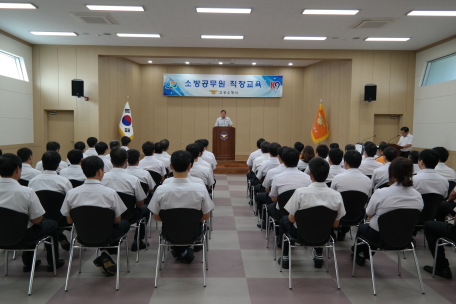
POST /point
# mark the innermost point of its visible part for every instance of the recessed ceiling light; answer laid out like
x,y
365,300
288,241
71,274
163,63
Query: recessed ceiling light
x,y
223,10
138,35
253,63
17,6
220,62
291,63
303,38
329,12
54,33
115,8
186,62
221,37
433,13
386,39
150,61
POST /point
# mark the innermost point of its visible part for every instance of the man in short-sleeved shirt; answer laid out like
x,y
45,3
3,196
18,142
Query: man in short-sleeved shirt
x,y
198,170
52,146
223,120
406,141
91,142
158,155
190,178
102,151
26,156
133,169
74,171
380,176
49,179
369,164
335,157
427,180
273,161
441,167
252,157
150,163
262,158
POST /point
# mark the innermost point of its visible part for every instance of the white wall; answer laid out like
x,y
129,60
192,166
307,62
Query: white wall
x,y
434,120
16,98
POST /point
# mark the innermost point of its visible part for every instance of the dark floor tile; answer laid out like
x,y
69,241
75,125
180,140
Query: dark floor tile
x,y
221,188
222,201
243,211
253,240
223,223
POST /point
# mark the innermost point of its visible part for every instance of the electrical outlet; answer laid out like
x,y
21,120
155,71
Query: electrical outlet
x,y
359,138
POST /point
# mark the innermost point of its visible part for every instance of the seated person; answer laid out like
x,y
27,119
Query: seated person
x,y
262,158
112,144
133,169
306,155
299,146
351,180
252,156
400,195
368,165
335,157
102,150
380,175
201,161
165,153
332,146
190,178
15,197
119,180
316,194
207,152
273,162
93,193
74,171
26,156
149,162
181,193
414,156
442,168
197,170
80,145
91,142
348,147
158,155
427,180
52,146
322,152
125,140
207,156
381,147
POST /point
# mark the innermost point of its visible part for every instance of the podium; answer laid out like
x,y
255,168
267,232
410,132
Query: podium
x,y
224,143
398,148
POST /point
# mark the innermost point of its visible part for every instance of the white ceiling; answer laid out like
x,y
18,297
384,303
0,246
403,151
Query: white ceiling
x,y
226,62
270,20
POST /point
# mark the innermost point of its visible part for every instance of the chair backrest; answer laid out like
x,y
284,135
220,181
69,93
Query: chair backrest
x,y
52,203
355,207
130,203
23,182
315,225
328,184
145,188
181,225
13,227
370,176
396,228
76,183
431,204
283,199
156,177
385,185
94,225
451,185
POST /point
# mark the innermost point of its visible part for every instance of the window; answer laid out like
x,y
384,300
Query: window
x,y
440,70
12,66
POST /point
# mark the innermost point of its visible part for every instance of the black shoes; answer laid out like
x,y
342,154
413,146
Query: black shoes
x,y
142,245
106,264
444,273
318,261
359,260
261,225
189,257
64,242
28,268
58,264
285,262
341,236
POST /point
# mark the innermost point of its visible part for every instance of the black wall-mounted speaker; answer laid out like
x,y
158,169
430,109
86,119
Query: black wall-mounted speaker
x,y
77,88
370,92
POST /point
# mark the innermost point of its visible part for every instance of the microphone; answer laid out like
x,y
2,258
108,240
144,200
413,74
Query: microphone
x,y
393,138
368,138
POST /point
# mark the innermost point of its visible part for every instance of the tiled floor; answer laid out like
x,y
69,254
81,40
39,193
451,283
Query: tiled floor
x,y
241,270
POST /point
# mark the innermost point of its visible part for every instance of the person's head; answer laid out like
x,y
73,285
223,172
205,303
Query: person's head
x,y
443,153
194,150
290,157
93,167
206,143
389,154
414,156
201,147
159,147
223,113
101,148
382,147
280,151
349,147
51,160
148,148
299,146
114,143
335,156
265,147
352,159
125,141
92,141
10,166
319,169
80,145
133,157
333,146
428,159
201,142
307,154
118,157
405,131
75,156
25,154
165,143
273,149
180,161
370,150
401,172
259,141
322,151
53,146
367,143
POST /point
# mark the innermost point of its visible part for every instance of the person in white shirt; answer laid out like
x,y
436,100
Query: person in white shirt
x,y
273,162
317,194
406,142
413,156
262,158
348,147
181,193
93,193
252,157
91,142
223,120
380,176
74,171
26,156
150,163
102,150
400,195
80,145
369,164
52,146
322,152
125,140
198,170
165,153
121,181
200,158
427,180
206,155
15,197
332,146
159,147
441,167
112,144
335,157
133,169
306,156
190,178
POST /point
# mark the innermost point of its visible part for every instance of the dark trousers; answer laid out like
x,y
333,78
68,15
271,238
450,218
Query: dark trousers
x,y
250,175
261,199
435,230
405,154
287,226
141,212
181,249
372,236
274,212
118,230
444,209
38,232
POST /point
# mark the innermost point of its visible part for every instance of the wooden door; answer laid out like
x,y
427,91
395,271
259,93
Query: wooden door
x,y
60,128
386,127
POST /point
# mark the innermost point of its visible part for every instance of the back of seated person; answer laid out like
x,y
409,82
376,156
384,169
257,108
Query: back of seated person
x,y
91,142
133,169
207,156
381,175
299,146
441,167
125,140
112,144
74,171
368,165
26,156
181,193
102,150
427,180
273,161
332,146
414,156
252,157
149,162
159,148
165,153
55,147
80,145
201,161
381,147
322,151
306,156
263,157
197,170
334,158
348,147
49,180
190,178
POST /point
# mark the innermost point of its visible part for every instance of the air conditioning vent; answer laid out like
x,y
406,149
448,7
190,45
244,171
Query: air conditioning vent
x,y
94,18
373,24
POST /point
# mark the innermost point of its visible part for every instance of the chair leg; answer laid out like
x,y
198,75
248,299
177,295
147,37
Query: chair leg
x,y
126,249
118,266
275,243
418,270
268,228
158,264
204,262
351,236
372,271
354,257
6,263
53,256
403,252
327,259
137,241
336,266
69,265
156,225
435,257
289,264
399,263
32,273
80,258
150,224
14,255
281,261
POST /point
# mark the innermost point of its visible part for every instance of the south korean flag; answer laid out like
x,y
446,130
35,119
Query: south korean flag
x,y
126,123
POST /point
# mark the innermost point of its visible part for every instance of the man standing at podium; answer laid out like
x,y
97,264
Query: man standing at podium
x,y
223,121
406,142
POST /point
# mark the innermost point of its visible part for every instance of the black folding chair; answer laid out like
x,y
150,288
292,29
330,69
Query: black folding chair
x,y
431,204
396,231
13,225
76,183
181,227
451,186
23,182
52,203
156,177
314,230
355,203
370,176
385,185
328,184
94,226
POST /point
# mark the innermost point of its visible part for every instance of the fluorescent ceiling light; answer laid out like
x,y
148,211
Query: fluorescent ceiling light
x,y
329,12
17,6
186,62
138,35
220,62
150,61
221,37
303,38
223,10
54,33
433,13
291,63
253,63
386,39
115,8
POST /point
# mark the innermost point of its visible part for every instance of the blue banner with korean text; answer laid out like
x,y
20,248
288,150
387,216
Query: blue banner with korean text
x,y
222,85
